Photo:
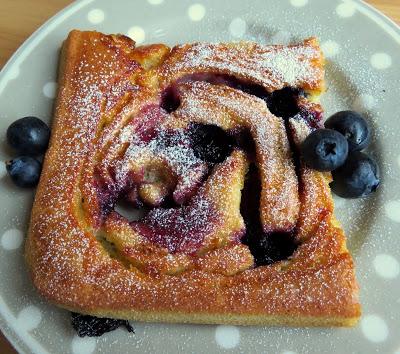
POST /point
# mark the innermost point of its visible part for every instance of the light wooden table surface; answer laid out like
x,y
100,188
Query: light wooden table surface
x,y
25,16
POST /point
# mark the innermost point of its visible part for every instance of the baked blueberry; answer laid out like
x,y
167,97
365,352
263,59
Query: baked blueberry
x,y
210,143
91,326
283,103
24,171
324,150
28,136
266,248
270,248
354,128
358,177
170,100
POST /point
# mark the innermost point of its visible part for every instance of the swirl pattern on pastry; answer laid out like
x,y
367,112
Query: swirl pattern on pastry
x,y
127,125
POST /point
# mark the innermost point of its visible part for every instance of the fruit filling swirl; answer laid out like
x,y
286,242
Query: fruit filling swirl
x,y
205,125
169,159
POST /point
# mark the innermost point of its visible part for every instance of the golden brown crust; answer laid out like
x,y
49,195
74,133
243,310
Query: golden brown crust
x,y
273,67
103,84
232,109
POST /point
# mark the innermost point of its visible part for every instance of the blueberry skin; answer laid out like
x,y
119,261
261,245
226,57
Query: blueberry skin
x,y
270,248
358,177
24,171
283,103
91,326
354,128
210,143
28,136
324,150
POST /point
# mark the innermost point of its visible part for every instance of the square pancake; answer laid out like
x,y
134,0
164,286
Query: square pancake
x,y
85,257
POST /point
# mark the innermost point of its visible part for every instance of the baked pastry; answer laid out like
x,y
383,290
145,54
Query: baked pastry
x,y
203,138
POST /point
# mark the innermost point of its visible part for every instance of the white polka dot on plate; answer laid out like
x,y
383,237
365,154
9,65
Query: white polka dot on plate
x,y
85,345
12,239
364,102
381,61
330,48
227,337
237,27
96,16
50,89
392,209
299,3
196,12
386,266
281,37
137,34
374,328
346,9
155,2
288,352
29,318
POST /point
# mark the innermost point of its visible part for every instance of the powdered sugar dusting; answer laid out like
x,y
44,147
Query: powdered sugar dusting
x,y
64,241
174,151
229,108
72,268
273,67
180,229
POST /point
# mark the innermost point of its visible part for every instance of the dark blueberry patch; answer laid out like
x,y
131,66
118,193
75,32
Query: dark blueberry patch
x,y
243,140
283,103
169,203
270,248
170,100
250,203
265,248
228,80
247,87
91,326
210,143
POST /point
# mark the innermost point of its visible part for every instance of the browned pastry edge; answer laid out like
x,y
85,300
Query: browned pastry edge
x,y
316,287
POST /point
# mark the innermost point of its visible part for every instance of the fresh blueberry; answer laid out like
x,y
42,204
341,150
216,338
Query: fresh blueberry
x,y
354,128
28,136
24,171
358,177
324,150
210,143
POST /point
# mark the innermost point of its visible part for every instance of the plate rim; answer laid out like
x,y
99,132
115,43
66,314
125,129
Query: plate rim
x,y
381,20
